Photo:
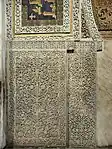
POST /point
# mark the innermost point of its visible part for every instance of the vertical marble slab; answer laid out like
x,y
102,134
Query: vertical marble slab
x,y
82,95
88,93
37,98
104,95
1,112
74,95
0,40
2,77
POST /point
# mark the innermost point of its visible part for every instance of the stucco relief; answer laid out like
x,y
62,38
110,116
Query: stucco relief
x,y
103,16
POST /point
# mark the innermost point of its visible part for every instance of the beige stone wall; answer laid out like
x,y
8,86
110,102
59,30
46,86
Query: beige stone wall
x,y
104,95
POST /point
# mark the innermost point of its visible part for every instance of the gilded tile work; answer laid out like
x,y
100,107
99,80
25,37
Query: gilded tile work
x,y
69,28
42,12
41,16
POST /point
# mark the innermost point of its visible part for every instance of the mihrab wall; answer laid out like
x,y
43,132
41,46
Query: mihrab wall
x,y
50,75
104,114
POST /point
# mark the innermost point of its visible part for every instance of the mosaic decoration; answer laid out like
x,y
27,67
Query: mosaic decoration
x,y
42,16
70,23
42,12
75,17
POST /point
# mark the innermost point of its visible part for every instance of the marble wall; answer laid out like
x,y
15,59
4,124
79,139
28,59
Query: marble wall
x,y
104,95
2,52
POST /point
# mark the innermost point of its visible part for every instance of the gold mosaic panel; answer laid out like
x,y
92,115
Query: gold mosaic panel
x,y
41,16
42,12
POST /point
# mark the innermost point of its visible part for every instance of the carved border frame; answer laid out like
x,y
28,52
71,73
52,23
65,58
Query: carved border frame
x,y
19,29
75,32
75,23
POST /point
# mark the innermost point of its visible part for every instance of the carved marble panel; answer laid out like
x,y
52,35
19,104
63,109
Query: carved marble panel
x,y
52,94
88,94
84,28
37,98
74,96
51,76
89,17
82,96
